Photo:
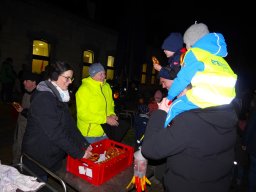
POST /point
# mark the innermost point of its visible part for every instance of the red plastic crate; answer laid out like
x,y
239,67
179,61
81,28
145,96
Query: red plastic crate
x,y
98,173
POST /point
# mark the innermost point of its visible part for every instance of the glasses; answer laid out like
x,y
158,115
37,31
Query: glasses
x,y
68,78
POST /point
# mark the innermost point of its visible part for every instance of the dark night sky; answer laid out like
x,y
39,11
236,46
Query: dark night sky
x,y
159,18
155,20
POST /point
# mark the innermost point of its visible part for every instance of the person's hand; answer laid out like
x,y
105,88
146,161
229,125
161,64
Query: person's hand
x,y
111,120
157,67
163,105
155,60
114,116
88,152
17,106
156,64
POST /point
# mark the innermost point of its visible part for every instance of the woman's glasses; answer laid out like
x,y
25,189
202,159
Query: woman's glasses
x,y
68,78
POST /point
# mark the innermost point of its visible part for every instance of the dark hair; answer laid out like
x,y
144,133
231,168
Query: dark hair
x,y
56,69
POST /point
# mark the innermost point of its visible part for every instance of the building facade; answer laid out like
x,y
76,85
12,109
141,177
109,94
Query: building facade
x,y
27,25
35,33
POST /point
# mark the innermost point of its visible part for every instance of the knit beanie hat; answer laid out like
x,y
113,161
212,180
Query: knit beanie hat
x,y
173,42
168,73
194,33
27,75
95,68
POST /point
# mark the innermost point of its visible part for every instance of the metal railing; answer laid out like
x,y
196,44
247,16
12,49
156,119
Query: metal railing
x,y
44,168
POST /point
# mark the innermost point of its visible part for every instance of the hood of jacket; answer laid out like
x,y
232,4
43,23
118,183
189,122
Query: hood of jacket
x,y
93,82
49,87
213,43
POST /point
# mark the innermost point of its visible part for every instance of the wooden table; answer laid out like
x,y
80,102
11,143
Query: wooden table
x,y
116,184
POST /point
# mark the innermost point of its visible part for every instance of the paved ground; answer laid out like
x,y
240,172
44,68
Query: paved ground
x,y
8,118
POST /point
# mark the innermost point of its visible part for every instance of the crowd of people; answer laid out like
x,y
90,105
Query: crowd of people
x,y
201,116
191,131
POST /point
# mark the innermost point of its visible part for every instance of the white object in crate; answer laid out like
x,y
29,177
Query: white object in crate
x,y
84,170
102,157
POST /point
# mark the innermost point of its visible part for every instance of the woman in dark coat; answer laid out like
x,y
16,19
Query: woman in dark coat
x,y
198,146
51,132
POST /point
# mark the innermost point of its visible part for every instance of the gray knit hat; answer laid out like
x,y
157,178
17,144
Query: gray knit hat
x,y
95,68
194,33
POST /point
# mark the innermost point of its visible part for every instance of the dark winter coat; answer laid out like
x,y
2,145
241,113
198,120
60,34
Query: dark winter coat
x,y
174,65
199,147
51,132
250,133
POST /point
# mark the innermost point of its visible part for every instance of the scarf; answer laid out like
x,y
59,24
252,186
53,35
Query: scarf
x,y
63,94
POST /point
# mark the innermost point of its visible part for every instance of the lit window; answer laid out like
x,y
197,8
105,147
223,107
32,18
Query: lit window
x,y
88,56
153,76
153,79
110,74
110,61
85,71
153,71
143,79
144,73
110,68
40,56
88,59
144,68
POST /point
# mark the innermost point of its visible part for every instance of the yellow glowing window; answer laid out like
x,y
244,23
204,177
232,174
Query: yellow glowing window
x,y
153,71
144,73
111,60
40,48
110,68
153,78
39,65
110,74
88,59
85,71
144,68
40,56
88,56
143,78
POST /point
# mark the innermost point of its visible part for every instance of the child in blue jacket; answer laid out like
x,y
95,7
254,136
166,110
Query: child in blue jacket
x,y
212,79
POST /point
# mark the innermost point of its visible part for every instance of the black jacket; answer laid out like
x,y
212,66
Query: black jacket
x,y
199,147
250,133
51,132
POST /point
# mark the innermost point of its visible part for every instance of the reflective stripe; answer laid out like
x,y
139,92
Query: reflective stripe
x,y
215,80
208,99
215,85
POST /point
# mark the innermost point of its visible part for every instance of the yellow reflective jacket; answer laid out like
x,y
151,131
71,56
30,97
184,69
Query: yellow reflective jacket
x,y
94,102
215,85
